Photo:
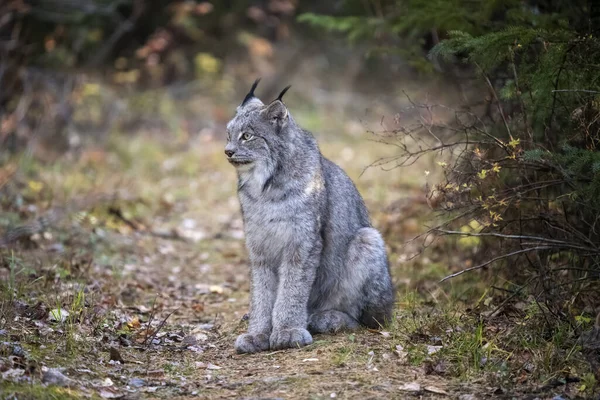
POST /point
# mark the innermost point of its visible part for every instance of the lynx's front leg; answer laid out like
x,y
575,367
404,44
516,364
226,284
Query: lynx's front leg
x,y
296,277
264,287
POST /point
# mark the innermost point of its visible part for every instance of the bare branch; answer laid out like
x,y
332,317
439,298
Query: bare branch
x,y
494,260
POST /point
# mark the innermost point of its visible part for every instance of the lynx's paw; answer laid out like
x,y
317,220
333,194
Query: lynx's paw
x,y
331,321
290,338
247,343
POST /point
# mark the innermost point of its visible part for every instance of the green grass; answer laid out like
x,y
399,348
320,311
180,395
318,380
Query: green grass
x,y
40,392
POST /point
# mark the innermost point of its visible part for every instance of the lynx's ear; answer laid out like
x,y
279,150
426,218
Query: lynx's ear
x,y
277,112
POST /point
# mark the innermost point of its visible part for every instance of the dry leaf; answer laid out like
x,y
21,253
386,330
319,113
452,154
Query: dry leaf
x,y
134,323
411,387
435,390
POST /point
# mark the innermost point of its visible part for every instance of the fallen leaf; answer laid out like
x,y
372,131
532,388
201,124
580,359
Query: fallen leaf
x,y
401,353
157,373
134,323
385,334
105,383
212,366
107,393
411,387
310,359
435,390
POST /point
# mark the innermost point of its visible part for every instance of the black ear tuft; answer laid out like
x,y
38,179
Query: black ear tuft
x,y
250,94
283,92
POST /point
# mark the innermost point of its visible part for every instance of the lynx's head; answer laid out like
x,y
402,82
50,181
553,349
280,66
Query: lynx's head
x,y
257,132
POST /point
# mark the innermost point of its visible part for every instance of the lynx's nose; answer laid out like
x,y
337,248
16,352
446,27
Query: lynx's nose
x,y
229,153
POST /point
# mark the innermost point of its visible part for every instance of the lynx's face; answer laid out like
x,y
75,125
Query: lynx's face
x,y
254,135
248,139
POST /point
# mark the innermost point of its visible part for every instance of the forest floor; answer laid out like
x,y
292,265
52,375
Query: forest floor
x,y
141,294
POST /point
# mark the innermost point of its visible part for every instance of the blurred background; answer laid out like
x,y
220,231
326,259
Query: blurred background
x,y
74,72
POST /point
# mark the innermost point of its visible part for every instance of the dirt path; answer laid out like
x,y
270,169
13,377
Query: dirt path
x,y
156,289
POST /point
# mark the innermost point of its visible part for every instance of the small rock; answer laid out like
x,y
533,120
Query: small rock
x,y
53,376
190,340
136,382
110,393
529,367
433,349
436,340
18,351
12,374
58,315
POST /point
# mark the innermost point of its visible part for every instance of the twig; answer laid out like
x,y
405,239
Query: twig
x,y
520,237
498,104
494,260
576,90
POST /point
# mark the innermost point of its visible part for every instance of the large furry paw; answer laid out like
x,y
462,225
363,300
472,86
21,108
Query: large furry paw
x,y
290,338
247,343
331,321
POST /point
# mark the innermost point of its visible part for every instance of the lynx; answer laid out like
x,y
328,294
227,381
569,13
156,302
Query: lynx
x,y
316,264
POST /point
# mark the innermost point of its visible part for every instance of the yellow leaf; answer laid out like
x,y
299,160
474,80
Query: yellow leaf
x,y
475,225
134,323
206,63
35,186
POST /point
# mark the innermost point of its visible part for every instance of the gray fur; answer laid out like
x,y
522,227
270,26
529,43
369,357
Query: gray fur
x,y
316,263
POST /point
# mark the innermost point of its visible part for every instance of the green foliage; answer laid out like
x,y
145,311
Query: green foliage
x,y
532,166
356,28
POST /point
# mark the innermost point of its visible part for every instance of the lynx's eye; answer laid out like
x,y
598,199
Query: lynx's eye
x,y
247,136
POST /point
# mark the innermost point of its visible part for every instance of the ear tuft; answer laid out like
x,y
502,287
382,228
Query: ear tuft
x,y
250,94
280,97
